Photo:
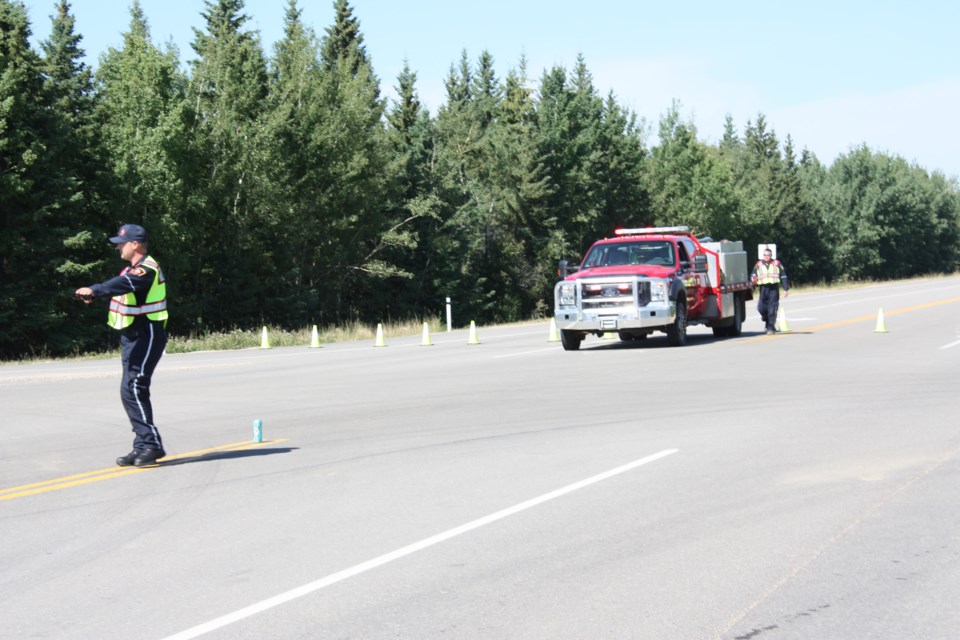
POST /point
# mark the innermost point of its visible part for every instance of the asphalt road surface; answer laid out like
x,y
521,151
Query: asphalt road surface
x,y
801,485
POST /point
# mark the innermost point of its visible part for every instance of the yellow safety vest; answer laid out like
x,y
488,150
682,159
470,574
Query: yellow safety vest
x,y
124,308
768,274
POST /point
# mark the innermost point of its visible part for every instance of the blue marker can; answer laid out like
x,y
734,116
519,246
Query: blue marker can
x,y
258,430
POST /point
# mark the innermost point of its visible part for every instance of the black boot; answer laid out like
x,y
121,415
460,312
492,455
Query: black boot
x,y
148,457
127,460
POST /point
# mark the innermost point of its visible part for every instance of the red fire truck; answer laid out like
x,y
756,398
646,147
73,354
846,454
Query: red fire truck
x,y
653,279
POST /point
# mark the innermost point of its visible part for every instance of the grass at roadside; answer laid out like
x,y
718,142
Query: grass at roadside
x,y
818,287
248,339
251,339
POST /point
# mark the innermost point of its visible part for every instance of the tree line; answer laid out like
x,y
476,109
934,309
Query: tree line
x,y
283,188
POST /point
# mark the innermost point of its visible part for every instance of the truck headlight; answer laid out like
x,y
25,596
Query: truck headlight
x,y
658,292
566,295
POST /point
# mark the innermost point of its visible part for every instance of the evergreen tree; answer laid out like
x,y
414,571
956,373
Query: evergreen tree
x,y
774,203
459,84
943,197
490,181
29,250
359,234
78,218
799,224
510,190
568,118
534,235
142,117
230,258
854,222
756,173
327,149
343,44
293,175
410,133
730,142
689,184
620,169
461,245
889,218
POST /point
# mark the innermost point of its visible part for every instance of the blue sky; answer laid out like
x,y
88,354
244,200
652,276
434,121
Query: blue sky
x,y
832,74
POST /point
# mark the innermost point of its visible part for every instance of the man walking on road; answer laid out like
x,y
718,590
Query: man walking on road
x,y
769,275
138,309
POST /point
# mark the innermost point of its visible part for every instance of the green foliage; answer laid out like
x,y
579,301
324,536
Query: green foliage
x,y
688,182
282,189
44,163
890,219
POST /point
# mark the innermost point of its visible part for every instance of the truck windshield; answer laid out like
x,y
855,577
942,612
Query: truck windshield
x,y
654,252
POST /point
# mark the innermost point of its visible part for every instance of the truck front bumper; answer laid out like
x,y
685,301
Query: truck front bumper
x,y
647,317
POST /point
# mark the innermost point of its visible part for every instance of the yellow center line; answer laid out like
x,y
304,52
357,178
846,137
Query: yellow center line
x,y
842,323
114,472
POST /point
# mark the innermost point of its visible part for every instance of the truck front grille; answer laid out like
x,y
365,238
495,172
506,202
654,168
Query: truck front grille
x,y
614,294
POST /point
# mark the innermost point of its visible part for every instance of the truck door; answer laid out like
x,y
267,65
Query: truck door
x,y
691,282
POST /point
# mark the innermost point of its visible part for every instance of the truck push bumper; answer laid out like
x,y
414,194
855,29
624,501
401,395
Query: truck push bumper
x,y
648,317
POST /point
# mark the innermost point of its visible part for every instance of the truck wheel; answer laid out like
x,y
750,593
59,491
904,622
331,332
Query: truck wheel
x,y
721,332
570,340
677,332
737,327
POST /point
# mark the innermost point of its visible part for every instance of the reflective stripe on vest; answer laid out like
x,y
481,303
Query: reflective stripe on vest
x,y
124,308
768,274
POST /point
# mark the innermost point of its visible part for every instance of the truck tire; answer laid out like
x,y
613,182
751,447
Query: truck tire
x,y
735,328
739,311
677,332
570,340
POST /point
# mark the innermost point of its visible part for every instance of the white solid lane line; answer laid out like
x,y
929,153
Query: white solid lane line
x,y
311,587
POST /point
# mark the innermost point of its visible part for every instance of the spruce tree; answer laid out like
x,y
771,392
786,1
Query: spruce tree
x,y
79,220
343,44
142,118
28,248
531,238
569,118
688,183
799,224
227,90
415,209
619,169
353,210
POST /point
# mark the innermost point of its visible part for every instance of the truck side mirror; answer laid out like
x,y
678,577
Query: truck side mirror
x,y
565,269
700,263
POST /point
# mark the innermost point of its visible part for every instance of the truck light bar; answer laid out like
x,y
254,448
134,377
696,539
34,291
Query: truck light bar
x,y
651,230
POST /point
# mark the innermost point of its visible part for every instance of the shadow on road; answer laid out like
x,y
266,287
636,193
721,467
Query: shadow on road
x,y
227,455
693,341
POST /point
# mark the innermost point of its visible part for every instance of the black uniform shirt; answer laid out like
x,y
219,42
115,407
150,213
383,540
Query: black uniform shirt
x,y
133,279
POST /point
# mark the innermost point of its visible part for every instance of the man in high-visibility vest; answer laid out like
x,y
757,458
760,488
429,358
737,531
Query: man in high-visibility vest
x,y
769,275
138,309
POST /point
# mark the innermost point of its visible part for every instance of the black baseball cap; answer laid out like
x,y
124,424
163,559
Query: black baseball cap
x,y
130,233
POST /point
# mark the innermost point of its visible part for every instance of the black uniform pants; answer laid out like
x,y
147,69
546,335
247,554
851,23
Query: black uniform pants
x,y
768,304
141,346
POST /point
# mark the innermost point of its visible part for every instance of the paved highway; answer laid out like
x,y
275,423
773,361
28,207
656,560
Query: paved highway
x,y
790,486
